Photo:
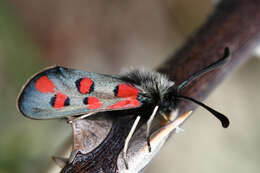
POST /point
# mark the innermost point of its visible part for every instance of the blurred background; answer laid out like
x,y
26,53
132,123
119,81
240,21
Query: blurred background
x,y
104,36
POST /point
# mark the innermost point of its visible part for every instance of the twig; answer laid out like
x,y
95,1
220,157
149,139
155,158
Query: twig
x,y
234,24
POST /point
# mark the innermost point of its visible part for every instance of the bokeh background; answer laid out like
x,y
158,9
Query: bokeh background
x,y
104,36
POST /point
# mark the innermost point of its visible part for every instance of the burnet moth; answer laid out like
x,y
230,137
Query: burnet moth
x,y
59,92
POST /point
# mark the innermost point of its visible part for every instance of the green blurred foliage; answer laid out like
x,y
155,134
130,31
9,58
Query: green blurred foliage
x,y
21,141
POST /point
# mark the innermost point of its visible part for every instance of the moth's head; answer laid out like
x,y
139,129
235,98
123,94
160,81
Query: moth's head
x,y
172,96
169,101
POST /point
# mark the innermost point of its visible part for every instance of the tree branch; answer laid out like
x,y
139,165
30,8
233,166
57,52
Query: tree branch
x,y
234,24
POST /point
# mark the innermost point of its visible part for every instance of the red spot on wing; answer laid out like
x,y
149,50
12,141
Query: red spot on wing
x,y
130,103
93,102
60,100
126,90
44,85
85,85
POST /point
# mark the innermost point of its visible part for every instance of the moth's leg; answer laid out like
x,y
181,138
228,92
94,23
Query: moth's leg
x,y
129,136
165,116
149,123
81,117
171,117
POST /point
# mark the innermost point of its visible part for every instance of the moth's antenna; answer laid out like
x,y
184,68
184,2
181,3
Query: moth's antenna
x,y
223,119
213,66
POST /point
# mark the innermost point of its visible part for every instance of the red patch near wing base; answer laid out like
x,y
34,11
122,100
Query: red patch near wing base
x,y
126,90
130,103
44,85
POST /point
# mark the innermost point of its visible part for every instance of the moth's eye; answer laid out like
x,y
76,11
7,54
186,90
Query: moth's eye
x,y
165,106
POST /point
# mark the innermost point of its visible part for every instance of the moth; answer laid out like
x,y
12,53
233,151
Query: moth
x,y
59,92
